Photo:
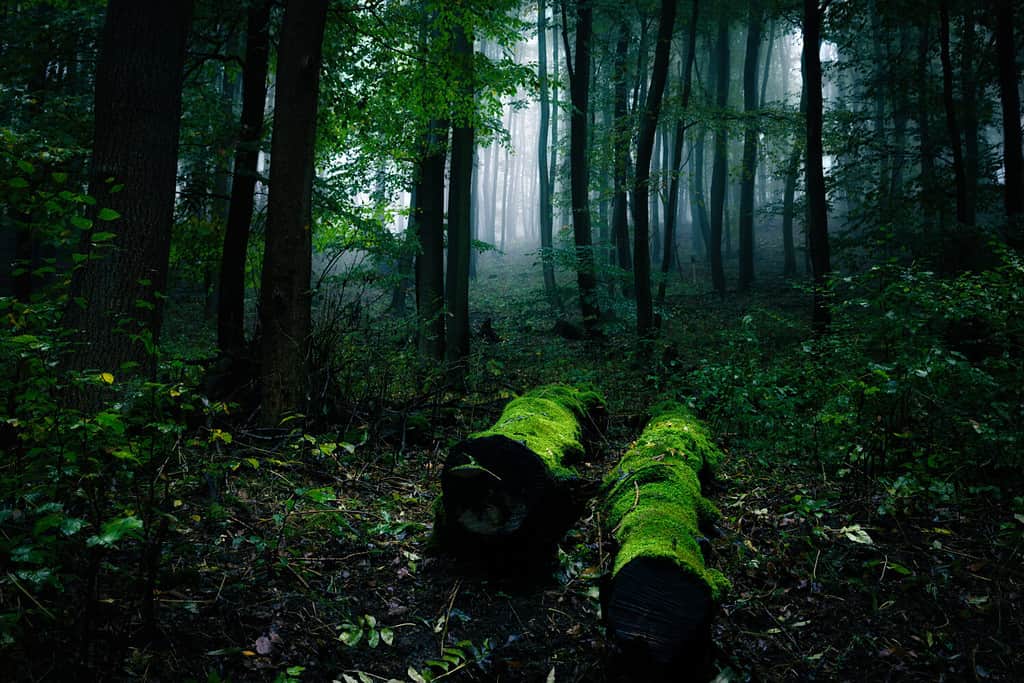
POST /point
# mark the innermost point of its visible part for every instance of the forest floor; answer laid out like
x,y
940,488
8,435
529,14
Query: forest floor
x,y
314,561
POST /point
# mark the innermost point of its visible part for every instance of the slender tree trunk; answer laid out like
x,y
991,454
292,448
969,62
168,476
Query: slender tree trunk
x,y
116,295
952,127
620,153
927,151
969,106
668,250
579,86
430,230
698,201
750,106
788,193
285,296
459,213
817,230
546,209
719,168
1013,162
645,144
231,311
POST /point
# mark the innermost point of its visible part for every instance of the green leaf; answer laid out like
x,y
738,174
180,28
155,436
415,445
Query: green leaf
x,y
856,534
26,167
108,215
72,525
415,676
114,530
373,639
387,635
59,178
81,222
351,636
103,236
18,183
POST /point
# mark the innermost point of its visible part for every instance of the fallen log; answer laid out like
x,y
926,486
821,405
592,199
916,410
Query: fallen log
x,y
660,597
511,491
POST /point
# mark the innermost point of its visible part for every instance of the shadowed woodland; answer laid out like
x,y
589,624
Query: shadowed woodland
x,y
562,340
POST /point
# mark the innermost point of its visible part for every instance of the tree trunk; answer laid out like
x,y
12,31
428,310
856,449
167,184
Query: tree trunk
x,y
546,209
116,297
285,295
660,599
579,86
1013,162
969,106
952,127
817,229
668,250
927,152
719,167
698,202
510,492
459,214
750,107
620,154
645,143
430,230
231,310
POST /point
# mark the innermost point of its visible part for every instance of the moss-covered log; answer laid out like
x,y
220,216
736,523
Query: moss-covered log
x,y
659,599
513,488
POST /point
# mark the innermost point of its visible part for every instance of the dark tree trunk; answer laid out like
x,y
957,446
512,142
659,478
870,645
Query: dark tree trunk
x,y
924,132
459,213
116,295
285,295
579,86
817,213
430,230
698,201
788,193
969,106
620,154
750,106
231,311
645,143
668,250
546,209
952,126
1013,162
719,167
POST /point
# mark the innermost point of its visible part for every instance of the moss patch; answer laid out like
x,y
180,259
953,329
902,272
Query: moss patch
x,y
547,421
653,505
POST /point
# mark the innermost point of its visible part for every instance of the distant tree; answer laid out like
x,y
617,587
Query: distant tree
x,y
817,212
231,311
285,284
668,251
648,127
719,167
579,86
620,157
546,209
750,142
1013,163
117,292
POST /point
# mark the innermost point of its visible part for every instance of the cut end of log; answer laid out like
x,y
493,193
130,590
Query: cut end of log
x,y
658,615
495,484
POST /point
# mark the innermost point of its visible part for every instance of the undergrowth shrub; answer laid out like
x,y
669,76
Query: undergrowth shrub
x,y
920,377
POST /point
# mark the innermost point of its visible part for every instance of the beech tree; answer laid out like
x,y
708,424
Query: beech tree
x,y
579,87
817,211
116,304
231,310
285,285
648,126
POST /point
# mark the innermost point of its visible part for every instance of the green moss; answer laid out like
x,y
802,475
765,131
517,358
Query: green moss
x,y
653,504
547,421
673,432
